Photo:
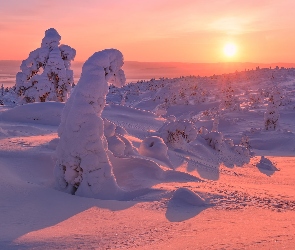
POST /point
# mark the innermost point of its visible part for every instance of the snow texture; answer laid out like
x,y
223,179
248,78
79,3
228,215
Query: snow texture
x,y
216,184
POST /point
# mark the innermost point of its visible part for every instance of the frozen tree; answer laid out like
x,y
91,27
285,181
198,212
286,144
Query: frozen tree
x,y
271,116
46,74
229,100
83,166
2,94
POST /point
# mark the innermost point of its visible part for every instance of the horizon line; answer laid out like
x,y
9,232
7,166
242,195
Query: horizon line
x,y
17,60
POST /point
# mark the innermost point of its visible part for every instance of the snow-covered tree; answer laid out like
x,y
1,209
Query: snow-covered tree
x,y
214,139
83,166
2,90
46,74
229,100
271,116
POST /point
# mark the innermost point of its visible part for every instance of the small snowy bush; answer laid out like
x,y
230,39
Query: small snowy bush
x,y
214,139
245,142
178,132
46,74
229,100
271,116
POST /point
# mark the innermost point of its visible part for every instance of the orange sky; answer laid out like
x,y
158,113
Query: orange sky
x,y
154,30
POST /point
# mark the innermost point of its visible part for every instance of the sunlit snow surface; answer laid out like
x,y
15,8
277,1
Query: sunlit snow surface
x,y
194,196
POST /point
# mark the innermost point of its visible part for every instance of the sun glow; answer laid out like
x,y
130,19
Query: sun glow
x,y
230,49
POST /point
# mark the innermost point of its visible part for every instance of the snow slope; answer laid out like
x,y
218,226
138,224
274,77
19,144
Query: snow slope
x,y
206,198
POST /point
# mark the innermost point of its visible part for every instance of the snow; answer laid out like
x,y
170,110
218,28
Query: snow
x,y
155,147
225,182
184,195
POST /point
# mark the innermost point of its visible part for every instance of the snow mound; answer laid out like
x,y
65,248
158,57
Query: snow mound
x,y
187,196
156,148
47,113
266,164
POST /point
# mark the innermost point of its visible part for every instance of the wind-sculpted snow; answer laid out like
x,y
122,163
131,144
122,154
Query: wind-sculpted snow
x,y
48,113
155,147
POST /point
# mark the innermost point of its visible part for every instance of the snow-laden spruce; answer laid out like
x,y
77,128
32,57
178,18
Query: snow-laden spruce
x,y
83,166
271,116
46,74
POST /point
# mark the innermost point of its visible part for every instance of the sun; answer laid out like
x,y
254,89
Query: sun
x,y
230,49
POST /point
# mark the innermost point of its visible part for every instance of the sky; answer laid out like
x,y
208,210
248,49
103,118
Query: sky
x,y
154,30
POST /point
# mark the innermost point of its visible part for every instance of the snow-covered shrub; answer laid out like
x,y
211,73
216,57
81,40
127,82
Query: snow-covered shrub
x,y
208,114
46,74
255,100
161,109
213,138
8,97
83,167
241,150
178,132
229,100
2,90
245,142
271,116
215,124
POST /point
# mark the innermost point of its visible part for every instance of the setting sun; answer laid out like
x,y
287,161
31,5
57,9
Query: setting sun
x,y
230,49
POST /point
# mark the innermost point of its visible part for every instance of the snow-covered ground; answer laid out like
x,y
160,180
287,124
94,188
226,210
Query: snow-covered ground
x,y
199,168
